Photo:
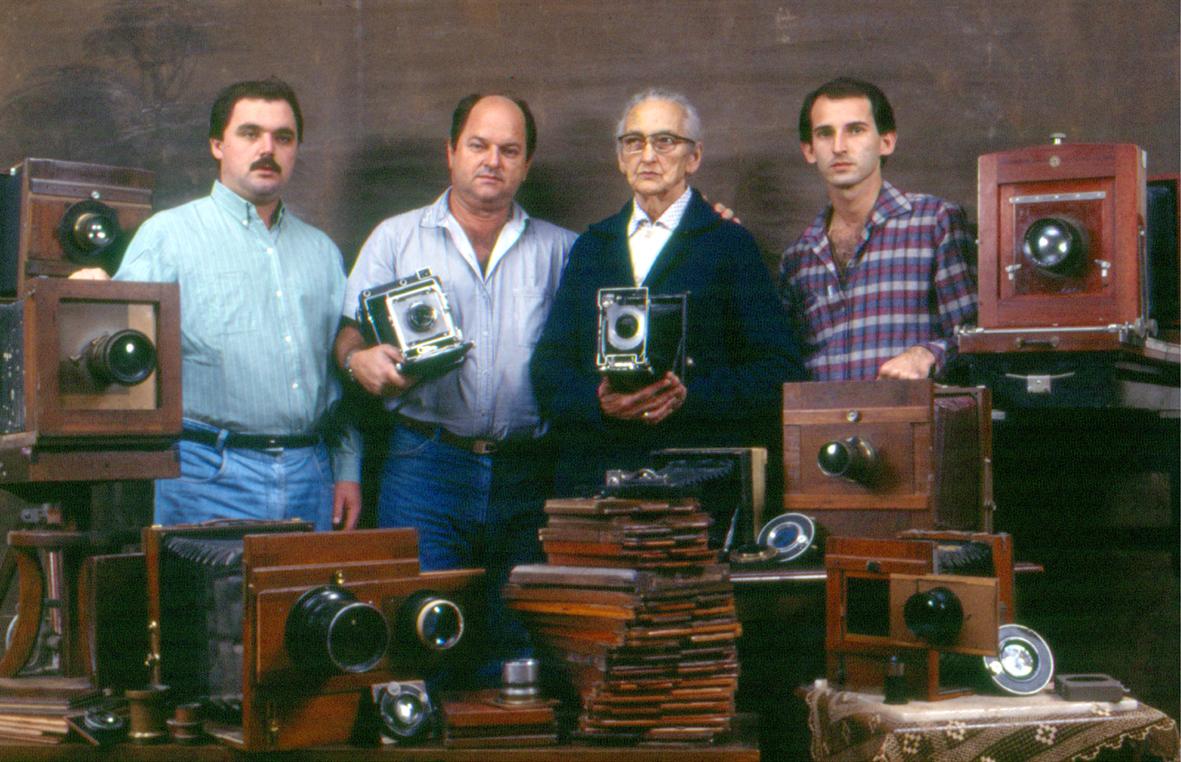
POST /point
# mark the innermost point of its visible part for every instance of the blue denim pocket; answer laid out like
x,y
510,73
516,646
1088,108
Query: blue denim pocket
x,y
200,464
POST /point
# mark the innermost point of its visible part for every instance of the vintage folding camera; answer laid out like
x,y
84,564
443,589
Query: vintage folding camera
x,y
641,336
918,598
90,367
59,216
872,458
1062,257
414,315
282,633
729,483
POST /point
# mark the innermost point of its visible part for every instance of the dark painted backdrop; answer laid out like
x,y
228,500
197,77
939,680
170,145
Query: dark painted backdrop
x,y
130,82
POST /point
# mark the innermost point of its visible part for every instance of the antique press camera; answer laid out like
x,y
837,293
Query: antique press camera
x,y
414,315
641,336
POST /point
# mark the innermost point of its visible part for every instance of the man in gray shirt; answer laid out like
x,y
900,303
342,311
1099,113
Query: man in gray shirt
x,y
466,466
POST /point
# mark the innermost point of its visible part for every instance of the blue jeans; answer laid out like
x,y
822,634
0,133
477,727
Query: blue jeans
x,y
470,511
225,483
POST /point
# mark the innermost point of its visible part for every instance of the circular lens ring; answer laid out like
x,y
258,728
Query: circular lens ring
x,y
405,711
790,535
126,357
89,232
439,624
934,615
637,325
1025,663
421,316
1054,244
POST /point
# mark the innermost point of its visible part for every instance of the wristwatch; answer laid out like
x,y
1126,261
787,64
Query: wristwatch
x,y
348,364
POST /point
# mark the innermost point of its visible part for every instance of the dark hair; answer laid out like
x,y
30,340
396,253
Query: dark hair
x,y
463,110
271,89
848,87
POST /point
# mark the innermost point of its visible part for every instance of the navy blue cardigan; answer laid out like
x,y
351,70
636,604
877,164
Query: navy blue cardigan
x,y
738,339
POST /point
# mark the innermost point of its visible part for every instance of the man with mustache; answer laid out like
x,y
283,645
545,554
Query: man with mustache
x,y
466,465
668,239
261,294
879,281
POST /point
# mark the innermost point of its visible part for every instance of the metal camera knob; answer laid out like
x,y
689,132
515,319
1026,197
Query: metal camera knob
x,y
430,620
936,615
125,357
519,681
852,458
329,630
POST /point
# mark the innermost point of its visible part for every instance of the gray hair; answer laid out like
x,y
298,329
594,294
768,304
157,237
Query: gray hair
x,y
692,119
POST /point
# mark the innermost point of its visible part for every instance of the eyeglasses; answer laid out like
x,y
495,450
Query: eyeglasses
x,y
662,142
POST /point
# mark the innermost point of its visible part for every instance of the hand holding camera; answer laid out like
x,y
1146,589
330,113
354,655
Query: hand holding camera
x,y
378,370
650,404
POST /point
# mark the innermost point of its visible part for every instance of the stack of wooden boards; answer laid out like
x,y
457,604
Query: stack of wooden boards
x,y
34,710
643,628
481,720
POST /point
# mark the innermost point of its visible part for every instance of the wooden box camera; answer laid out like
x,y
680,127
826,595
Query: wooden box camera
x,y
872,458
914,598
283,633
89,365
1062,249
59,216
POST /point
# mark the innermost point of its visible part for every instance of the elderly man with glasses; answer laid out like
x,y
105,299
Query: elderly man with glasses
x,y
667,239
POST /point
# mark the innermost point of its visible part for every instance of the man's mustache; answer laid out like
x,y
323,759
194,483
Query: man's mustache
x,y
267,162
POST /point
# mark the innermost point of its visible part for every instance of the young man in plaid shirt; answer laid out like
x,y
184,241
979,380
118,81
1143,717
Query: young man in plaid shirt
x,y
879,281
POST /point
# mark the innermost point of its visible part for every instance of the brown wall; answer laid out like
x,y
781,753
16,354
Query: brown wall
x,y
130,82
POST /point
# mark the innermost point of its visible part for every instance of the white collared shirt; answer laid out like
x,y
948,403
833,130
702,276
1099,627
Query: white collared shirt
x,y
646,239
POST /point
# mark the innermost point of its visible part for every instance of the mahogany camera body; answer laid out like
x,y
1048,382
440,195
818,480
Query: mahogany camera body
x,y
380,619
58,216
1062,248
90,381
872,585
873,458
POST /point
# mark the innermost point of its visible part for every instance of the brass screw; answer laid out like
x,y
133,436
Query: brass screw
x,y
853,416
338,577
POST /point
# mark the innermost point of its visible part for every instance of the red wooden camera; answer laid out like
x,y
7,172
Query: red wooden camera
x,y
1062,249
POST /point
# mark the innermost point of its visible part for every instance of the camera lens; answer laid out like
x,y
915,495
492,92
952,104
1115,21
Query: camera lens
x,y
421,316
87,232
432,621
853,458
329,630
405,711
124,357
1054,244
627,326
936,615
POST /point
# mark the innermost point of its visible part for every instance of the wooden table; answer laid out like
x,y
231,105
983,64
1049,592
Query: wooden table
x,y
850,727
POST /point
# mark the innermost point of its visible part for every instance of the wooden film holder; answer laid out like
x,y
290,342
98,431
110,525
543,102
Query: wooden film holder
x,y
873,458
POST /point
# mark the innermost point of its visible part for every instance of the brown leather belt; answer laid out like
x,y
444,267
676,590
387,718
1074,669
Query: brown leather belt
x,y
434,430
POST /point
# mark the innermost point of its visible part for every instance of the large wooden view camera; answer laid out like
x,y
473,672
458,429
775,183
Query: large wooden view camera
x,y
283,632
914,598
90,381
872,458
1062,258
59,216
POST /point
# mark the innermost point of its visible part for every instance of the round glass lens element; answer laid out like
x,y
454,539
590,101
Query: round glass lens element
x,y
1054,244
627,326
125,357
440,625
1017,659
421,316
834,458
936,616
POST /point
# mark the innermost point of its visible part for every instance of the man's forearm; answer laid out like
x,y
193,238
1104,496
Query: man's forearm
x,y
348,338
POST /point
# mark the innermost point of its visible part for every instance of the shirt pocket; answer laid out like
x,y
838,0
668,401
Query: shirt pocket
x,y
233,303
530,308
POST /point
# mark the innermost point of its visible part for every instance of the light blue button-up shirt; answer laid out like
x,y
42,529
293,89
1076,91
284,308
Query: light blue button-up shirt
x,y
259,312
502,311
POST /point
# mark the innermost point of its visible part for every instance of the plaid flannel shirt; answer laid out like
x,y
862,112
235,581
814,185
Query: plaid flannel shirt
x,y
909,283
